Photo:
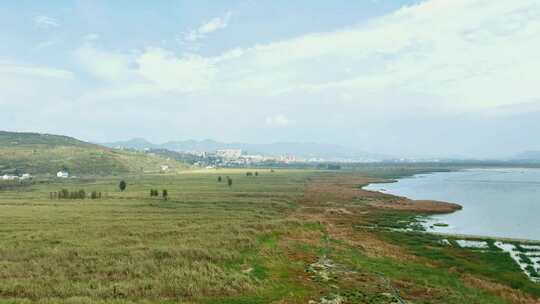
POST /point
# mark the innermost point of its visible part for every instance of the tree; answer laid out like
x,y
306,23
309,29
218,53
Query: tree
x,y
122,185
229,181
64,194
256,173
249,174
81,194
219,179
165,194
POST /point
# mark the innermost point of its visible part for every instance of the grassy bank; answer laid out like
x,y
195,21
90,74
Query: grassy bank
x,y
45,154
279,237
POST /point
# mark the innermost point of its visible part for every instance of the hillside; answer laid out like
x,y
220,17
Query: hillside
x,y
46,154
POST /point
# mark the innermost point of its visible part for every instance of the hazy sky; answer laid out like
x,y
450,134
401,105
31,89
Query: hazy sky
x,y
411,78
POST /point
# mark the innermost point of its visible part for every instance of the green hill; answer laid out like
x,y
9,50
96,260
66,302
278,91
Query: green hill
x,y
46,154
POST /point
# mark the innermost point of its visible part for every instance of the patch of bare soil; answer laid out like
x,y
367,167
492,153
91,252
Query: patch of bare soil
x,y
339,203
329,189
421,206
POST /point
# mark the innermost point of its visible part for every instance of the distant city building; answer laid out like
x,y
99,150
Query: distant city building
x,y
26,176
287,158
62,174
194,152
9,177
229,153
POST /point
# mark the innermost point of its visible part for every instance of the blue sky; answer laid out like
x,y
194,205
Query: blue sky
x,y
411,78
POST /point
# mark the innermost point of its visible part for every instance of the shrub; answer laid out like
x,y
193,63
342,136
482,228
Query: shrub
x,y
63,194
122,185
81,194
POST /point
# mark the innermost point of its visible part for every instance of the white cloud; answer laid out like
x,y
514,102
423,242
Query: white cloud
x,y
44,45
408,72
279,120
45,22
107,66
25,88
459,55
91,37
187,74
207,28
8,69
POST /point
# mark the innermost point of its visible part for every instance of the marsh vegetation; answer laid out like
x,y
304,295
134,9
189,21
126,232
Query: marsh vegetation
x,y
287,237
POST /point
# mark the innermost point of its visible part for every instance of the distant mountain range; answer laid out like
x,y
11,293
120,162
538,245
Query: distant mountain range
x,y
533,156
316,150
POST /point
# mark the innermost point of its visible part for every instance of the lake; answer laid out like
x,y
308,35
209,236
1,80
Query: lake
x,y
496,202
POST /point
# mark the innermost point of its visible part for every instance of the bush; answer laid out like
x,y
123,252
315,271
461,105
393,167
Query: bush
x,y
79,194
63,194
122,185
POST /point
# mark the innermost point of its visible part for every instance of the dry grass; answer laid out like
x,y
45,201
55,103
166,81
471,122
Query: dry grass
x,y
251,243
131,247
505,292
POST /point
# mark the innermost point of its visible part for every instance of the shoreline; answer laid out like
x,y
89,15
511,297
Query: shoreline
x,y
483,237
404,203
448,234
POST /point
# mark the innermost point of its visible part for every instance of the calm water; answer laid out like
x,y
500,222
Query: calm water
x,y
496,202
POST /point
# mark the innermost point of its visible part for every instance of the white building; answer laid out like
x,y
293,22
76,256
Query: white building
x,y
287,158
62,174
26,176
164,168
229,153
9,177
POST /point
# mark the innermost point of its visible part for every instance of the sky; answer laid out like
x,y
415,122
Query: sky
x,y
424,78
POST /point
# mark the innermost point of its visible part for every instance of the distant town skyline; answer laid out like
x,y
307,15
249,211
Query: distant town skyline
x,y
411,78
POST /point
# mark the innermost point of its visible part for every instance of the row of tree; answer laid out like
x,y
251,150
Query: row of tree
x,y
155,193
79,194
229,180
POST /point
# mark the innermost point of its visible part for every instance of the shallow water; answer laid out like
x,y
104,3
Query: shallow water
x,y
496,202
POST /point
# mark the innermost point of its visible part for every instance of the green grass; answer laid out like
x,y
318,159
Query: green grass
x,y
44,154
130,246
492,263
210,243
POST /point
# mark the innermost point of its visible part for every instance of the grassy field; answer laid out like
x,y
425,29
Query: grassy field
x,y
280,237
